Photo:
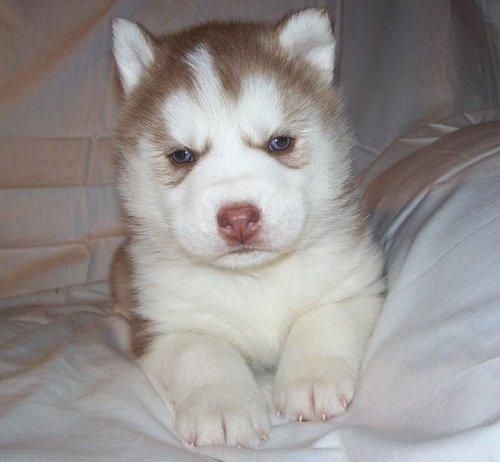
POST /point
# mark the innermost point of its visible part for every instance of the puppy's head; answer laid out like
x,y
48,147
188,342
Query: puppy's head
x,y
232,148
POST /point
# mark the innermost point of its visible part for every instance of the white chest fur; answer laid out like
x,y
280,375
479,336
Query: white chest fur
x,y
252,311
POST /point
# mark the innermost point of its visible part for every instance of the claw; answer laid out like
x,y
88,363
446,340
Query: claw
x,y
323,417
240,446
300,418
263,437
344,402
278,413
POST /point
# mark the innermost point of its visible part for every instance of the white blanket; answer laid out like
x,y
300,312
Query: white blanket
x,y
430,388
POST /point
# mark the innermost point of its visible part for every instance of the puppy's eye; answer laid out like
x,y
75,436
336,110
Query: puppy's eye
x,y
280,143
181,156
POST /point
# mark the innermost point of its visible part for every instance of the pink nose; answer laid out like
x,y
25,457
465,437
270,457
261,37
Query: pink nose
x,y
238,224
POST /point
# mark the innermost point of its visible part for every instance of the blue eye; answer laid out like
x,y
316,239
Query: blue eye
x,y
280,143
182,156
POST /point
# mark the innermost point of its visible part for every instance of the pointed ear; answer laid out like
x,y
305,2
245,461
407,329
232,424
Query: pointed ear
x,y
308,34
133,49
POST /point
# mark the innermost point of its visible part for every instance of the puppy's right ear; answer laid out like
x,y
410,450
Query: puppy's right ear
x,y
133,49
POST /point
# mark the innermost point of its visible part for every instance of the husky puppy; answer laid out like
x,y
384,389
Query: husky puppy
x,y
247,248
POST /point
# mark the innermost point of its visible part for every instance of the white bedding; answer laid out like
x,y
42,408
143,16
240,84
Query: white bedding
x,y
431,382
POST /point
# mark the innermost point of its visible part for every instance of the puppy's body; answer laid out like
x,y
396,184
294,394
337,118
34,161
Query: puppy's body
x,y
297,287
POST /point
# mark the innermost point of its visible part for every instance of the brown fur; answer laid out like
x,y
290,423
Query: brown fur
x,y
121,277
143,335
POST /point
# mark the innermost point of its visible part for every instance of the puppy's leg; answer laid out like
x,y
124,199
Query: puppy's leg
x,y
317,373
213,392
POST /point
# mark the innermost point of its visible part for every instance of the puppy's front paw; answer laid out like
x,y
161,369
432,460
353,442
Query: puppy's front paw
x,y
315,389
219,415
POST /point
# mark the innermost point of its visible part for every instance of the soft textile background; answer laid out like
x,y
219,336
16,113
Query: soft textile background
x,y
400,64
407,63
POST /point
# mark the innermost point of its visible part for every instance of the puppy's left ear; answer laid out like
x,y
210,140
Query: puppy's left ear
x,y
133,49
308,34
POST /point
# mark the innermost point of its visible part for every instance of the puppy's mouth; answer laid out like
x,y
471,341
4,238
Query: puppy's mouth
x,y
243,249
245,256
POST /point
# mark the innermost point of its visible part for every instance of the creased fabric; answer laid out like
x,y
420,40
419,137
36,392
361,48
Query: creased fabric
x,y
429,388
404,64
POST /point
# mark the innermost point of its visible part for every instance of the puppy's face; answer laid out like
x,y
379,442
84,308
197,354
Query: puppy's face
x,y
230,137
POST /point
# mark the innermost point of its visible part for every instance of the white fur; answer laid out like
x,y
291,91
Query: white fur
x,y
260,108
303,302
308,34
133,52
